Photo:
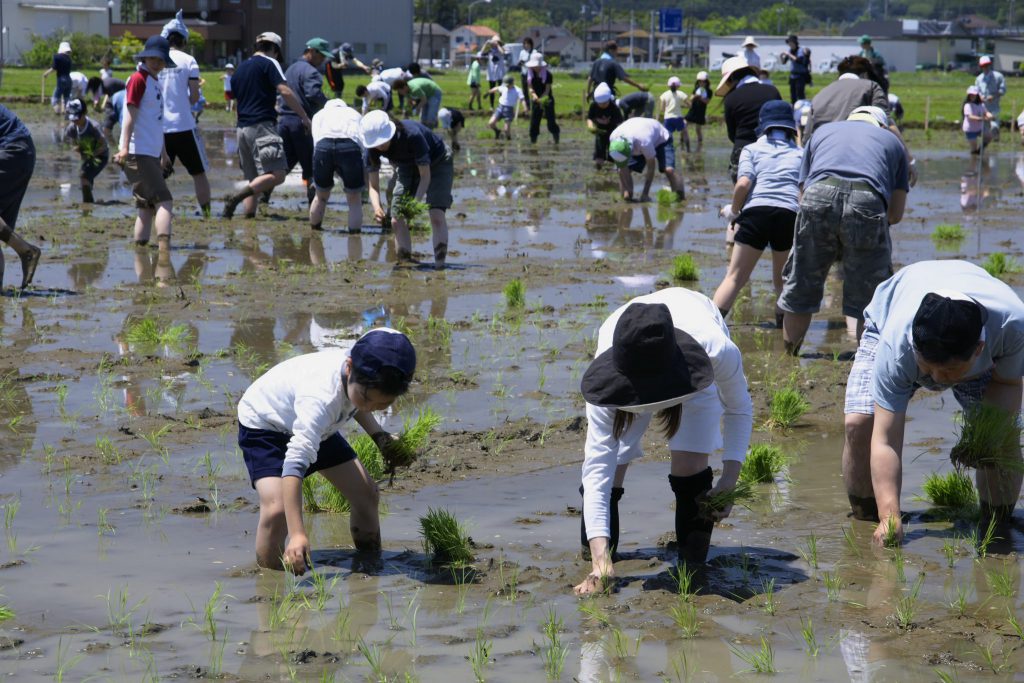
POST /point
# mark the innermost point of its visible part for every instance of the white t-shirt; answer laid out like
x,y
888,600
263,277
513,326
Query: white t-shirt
x,y
391,75
509,96
174,87
79,82
376,90
644,134
335,121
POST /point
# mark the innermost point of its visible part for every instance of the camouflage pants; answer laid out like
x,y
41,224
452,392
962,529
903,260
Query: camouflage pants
x,y
837,218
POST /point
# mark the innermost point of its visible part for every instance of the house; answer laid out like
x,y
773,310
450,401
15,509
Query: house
x,y
430,41
466,41
21,20
1008,55
567,49
907,43
688,49
598,34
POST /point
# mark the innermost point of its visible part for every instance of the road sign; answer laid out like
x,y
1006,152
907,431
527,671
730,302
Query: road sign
x,y
670,20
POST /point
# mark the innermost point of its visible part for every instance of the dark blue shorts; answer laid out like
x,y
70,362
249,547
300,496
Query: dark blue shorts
x,y
665,154
341,156
264,450
675,124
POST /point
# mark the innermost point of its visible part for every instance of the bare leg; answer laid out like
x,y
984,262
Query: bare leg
x,y
361,491
439,229
272,529
355,210
857,466
202,184
317,208
403,240
794,328
741,265
143,225
28,253
676,183
164,214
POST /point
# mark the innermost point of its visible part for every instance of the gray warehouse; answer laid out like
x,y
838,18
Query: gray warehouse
x,y
381,28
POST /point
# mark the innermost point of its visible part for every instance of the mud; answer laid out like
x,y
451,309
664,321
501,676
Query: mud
x,y
134,508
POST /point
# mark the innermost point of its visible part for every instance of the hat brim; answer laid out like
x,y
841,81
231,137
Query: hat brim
x,y
788,125
168,62
690,371
724,86
750,44
381,137
866,117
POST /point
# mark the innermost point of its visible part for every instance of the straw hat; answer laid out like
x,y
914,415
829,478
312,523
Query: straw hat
x,y
730,67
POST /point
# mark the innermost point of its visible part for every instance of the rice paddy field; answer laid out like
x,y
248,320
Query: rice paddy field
x,y
129,519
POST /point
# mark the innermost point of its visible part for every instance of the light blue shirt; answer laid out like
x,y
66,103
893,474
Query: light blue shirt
x,y
774,168
892,311
991,84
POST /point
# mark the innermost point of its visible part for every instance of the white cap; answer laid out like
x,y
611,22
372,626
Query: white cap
x,y
984,61
702,75
64,48
229,65
444,117
270,37
536,60
750,41
674,81
874,115
376,128
602,93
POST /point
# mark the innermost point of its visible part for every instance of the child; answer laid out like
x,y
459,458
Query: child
x,y
200,105
699,105
473,81
229,98
638,146
142,152
288,422
510,103
602,118
452,121
376,93
670,110
764,203
336,150
88,139
975,116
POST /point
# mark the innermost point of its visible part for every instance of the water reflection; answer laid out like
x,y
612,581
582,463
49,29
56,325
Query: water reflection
x,y
613,229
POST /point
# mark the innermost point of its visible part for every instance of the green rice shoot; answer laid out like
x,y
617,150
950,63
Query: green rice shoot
x,y
667,197
741,495
684,269
988,437
6,612
787,405
952,491
947,234
412,211
445,538
413,438
763,464
148,332
999,264
515,294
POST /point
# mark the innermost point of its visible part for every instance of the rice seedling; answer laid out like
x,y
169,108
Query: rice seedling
x,y
899,562
948,234
953,491
892,539
445,538
515,294
462,576
508,578
412,211
147,332
108,452
404,451
684,614
763,464
1002,582
851,542
833,585
6,611
987,651
667,197
683,578
768,589
741,495
103,526
810,638
64,664
9,401
439,331
957,599
208,622
684,269
374,657
810,551
480,656
981,544
681,672
947,676
786,406
988,437
554,652
951,550
619,646
760,661
1011,619
119,612
906,606
998,264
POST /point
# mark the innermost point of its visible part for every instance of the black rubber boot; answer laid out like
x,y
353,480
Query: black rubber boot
x,y
864,508
693,531
613,522
87,197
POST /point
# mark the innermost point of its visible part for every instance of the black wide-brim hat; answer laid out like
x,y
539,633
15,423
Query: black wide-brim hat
x,y
650,366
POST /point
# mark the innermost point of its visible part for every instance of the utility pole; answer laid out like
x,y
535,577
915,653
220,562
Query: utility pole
x,y
650,49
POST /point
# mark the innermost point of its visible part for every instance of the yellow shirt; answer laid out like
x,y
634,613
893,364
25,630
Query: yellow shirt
x,y
673,103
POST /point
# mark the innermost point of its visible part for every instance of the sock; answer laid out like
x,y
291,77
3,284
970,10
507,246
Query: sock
x,y
864,508
693,532
613,519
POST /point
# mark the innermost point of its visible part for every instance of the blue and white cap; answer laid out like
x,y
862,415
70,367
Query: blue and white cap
x,y
175,25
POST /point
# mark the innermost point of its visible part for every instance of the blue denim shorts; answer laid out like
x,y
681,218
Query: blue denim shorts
x,y
264,451
341,156
665,154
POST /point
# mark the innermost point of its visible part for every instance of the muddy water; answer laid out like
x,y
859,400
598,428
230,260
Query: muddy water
x,y
110,560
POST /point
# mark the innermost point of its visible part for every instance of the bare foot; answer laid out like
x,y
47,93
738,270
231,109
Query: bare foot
x,y
595,584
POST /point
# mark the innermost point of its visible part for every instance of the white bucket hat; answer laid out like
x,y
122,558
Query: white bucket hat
x,y
602,93
64,48
674,81
874,115
729,67
536,60
750,42
376,128
702,75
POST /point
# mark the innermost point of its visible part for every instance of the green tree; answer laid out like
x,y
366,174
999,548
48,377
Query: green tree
x,y
723,26
126,47
196,44
513,23
779,18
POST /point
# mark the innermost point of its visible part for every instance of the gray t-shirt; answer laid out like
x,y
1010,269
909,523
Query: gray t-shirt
x,y
857,150
837,100
892,311
774,168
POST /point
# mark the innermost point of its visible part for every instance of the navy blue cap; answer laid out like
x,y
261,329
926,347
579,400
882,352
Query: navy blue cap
x,y
384,348
775,114
945,327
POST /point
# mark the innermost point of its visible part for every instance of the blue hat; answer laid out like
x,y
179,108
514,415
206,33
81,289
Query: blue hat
x,y
346,49
157,46
775,114
384,348
175,25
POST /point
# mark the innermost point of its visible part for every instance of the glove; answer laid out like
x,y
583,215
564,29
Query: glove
x,y
728,214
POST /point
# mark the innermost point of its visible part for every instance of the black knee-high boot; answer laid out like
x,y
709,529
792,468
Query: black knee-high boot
x,y
693,532
613,522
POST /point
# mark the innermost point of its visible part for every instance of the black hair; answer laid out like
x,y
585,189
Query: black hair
x,y
967,98
360,91
399,83
176,40
526,40
611,46
389,381
940,354
268,46
414,68
669,418
95,84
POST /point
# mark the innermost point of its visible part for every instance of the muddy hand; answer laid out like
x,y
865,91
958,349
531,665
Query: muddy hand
x,y
888,533
296,553
707,511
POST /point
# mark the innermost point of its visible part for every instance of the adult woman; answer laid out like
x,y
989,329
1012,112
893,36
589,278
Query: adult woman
x,y
493,55
524,56
800,71
423,164
666,353
538,82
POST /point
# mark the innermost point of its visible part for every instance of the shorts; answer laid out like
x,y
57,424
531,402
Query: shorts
x,y
62,91
428,116
665,154
734,161
860,398
675,124
298,144
17,161
188,146
601,141
147,180
837,217
264,451
92,167
972,135
228,96
504,112
260,150
341,156
442,175
759,226
699,430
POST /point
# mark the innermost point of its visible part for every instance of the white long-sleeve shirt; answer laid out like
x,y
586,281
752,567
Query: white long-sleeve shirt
x,y
336,120
303,396
696,315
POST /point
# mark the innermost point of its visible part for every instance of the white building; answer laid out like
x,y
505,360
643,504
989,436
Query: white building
x,y
380,29
22,19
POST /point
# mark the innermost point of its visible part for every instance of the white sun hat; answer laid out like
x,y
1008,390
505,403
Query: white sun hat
x,y
64,48
376,128
750,42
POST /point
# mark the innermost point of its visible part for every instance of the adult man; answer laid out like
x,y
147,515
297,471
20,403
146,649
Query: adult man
x,y
868,52
607,69
306,82
991,86
854,182
17,161
425,94
636,146
341,59
937,325
854,88
750,53
637,104
744,95
255,85
180,87
799,71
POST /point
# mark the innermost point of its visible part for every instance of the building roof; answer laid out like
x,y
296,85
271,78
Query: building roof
x,y
974,21
612,28
904,28
549,32
425,29
558,44
477,30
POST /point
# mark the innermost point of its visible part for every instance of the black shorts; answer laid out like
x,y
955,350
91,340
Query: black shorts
x,y
187,146
264,451
17,161
760,226
601,142
341,156
92,167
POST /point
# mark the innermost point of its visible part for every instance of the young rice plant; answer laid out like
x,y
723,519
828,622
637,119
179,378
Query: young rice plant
x,y
445,538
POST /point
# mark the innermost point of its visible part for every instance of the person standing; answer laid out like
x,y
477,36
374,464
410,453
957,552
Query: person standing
x,y
935,325
524,56
90,143
868,52
229,96
17,161
697,115
856,87
180,87
510,101
743,96
638,146
670,110
854,183
493,55
799,70
61,65
666,355
306,81
991,86
473,81
256,85
539,82
607,69
337,151
976,118
750,52
424,94
602,118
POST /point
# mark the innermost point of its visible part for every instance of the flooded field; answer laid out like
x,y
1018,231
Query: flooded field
x,y
129,518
